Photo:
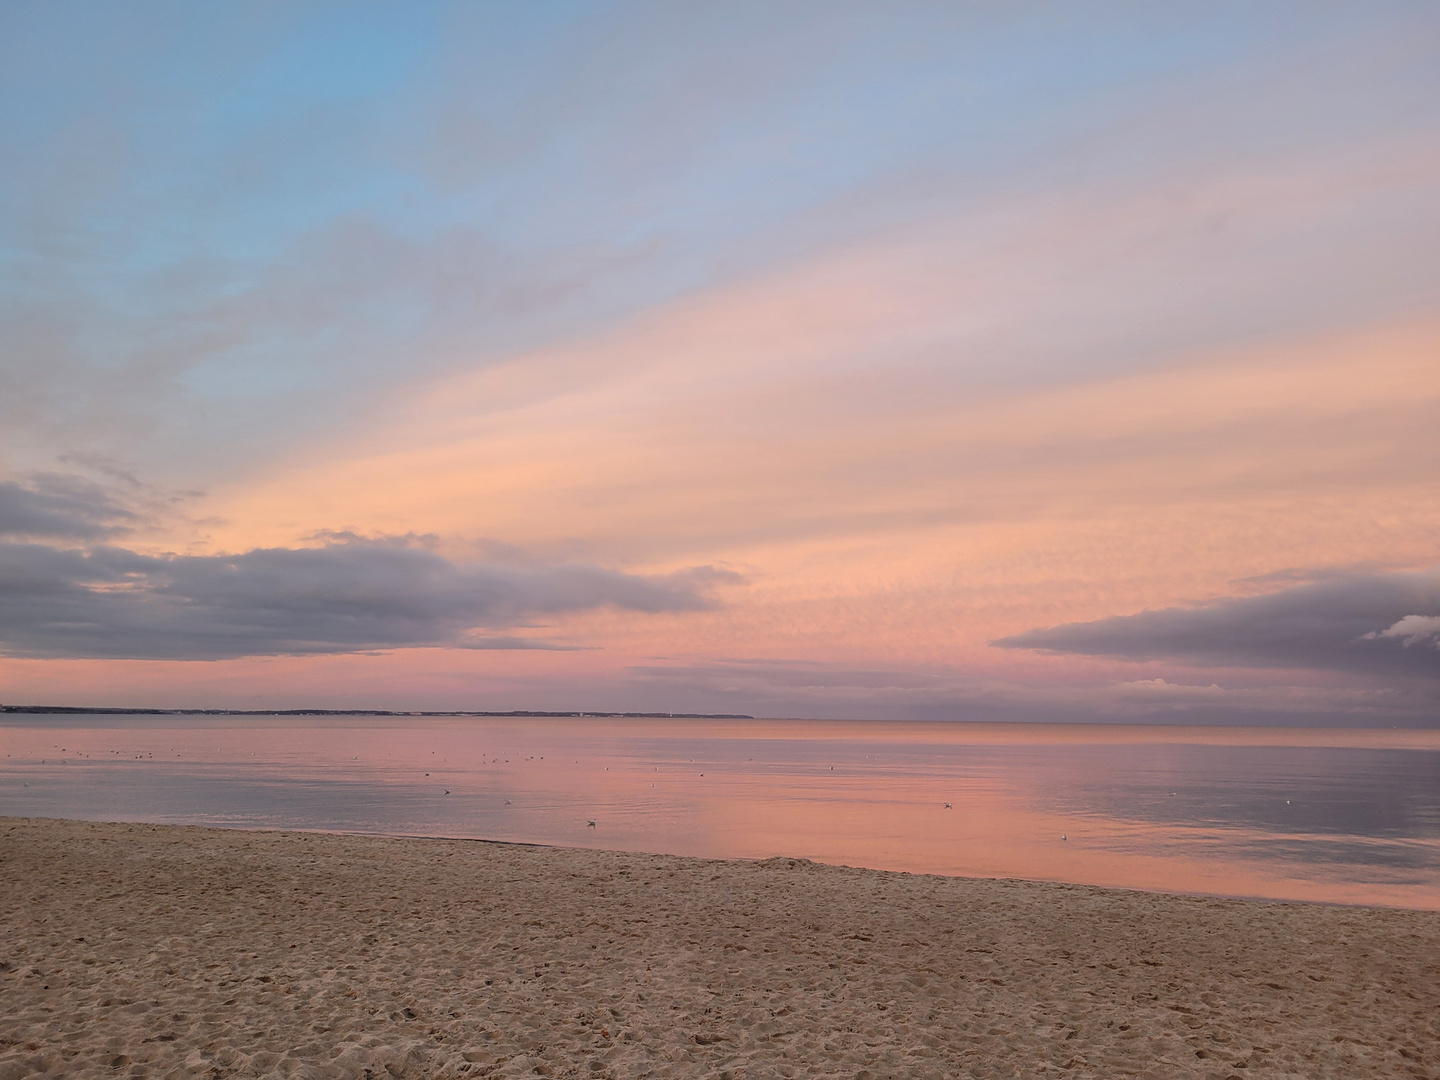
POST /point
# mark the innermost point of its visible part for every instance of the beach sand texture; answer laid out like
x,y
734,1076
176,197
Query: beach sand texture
x,y
165,951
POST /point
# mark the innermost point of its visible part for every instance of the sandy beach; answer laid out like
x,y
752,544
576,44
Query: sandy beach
x,y
164,951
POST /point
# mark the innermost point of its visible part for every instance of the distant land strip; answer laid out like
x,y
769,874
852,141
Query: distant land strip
x,y
73,709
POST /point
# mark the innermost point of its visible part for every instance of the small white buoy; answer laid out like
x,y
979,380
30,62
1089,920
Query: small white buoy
x,y
1064,837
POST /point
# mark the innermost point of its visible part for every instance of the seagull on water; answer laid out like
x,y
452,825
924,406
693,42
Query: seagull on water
x,y
948,806
590,823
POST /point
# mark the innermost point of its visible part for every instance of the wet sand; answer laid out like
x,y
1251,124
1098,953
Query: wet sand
x,y
138,950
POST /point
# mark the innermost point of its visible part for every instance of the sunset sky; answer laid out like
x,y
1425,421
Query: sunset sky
x,y
993,361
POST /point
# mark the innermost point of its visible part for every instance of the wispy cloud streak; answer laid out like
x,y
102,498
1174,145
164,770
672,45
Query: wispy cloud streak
x,y
60,506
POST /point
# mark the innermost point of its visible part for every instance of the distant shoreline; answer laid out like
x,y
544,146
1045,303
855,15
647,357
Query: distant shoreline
x,y
72,710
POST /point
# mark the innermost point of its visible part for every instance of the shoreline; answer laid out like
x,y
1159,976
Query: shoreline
x,y
171,950
1248,898
1177,893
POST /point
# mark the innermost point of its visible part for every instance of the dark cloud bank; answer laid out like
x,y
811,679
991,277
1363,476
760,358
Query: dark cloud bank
x,y
351,594
1373,624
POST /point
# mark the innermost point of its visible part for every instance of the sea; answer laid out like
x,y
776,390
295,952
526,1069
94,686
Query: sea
x,y
1318,815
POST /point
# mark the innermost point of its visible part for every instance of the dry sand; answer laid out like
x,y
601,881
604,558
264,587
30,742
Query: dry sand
x,y
137,950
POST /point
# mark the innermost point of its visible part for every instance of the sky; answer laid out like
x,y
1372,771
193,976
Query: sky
x,y
978,361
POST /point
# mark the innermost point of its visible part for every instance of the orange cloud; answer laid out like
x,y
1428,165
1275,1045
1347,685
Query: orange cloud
x,y
919,445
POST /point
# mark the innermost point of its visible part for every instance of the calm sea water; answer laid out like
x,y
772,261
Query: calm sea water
x,y
1332,815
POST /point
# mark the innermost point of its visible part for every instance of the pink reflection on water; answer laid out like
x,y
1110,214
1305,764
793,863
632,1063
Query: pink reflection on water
x,y
1084,804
